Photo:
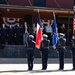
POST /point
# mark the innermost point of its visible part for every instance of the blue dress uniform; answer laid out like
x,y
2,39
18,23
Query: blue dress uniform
x,y
72,46
61,48
3,35
44,50
30,52
10,36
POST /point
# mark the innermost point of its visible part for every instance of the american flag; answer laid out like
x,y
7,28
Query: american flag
x,y
39,32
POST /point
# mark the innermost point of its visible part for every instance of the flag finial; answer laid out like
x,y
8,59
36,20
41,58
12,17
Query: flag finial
x,y
54,14
38,10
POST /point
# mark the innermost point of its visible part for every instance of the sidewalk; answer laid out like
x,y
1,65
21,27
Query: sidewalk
x,y
21,69
18,66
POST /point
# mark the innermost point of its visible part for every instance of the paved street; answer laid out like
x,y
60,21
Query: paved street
x,y
19,67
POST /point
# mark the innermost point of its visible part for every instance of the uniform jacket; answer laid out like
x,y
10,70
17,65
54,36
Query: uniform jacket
x,y
45,44
61,43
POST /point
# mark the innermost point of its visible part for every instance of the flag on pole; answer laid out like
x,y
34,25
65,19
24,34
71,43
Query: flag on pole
x,y
39,32
74,22
55,33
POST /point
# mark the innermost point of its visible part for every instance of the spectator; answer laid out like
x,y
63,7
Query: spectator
x,y
3,34
10,35
62,29
49,32
44,30
17,33
25,33
34,29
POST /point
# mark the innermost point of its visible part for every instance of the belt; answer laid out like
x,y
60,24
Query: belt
x,y
62,47
30,48
45,47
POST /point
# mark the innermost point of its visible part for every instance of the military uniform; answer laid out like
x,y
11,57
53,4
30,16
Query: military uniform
x,y
3,35
10,36
45,50
72,46
30,52
61,48
18,31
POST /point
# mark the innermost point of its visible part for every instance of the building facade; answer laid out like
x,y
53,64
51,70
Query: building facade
x,y
27,10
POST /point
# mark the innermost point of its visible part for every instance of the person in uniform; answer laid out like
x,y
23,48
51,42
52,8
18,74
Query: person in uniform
x,y
17,33
3,34
10,35
61,48
30,51
72,46
45,50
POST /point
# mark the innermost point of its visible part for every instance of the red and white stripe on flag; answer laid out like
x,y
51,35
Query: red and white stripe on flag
x,y
38,36
74,24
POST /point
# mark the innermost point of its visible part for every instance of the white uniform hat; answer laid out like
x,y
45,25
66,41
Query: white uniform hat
x,y
31,36
61,34
44,35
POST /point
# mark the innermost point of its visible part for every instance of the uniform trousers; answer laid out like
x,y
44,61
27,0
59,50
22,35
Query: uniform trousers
x,y
30,59
73,57
61,58
44,58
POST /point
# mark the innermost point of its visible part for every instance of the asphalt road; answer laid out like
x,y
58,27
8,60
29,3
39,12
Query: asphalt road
x,y
36,60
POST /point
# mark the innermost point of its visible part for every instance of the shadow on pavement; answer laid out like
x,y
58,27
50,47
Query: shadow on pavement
x,y
13,71
35,71
40,71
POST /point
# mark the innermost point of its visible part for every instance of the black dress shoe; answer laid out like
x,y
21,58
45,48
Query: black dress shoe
x,y
73,69
29,69
60,69
43,69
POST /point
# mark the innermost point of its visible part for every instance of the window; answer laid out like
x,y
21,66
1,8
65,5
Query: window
x,y
3,1
41,3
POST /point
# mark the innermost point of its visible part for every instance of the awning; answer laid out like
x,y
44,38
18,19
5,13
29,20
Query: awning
x,y
35,9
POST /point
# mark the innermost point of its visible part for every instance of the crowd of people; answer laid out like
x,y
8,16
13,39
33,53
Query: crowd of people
x,y
18,35
14,34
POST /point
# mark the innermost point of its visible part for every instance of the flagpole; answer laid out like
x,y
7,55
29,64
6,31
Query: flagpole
x,y
38,10
39,32
54,18
55,32
74,11
39,15
54,14
68,26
